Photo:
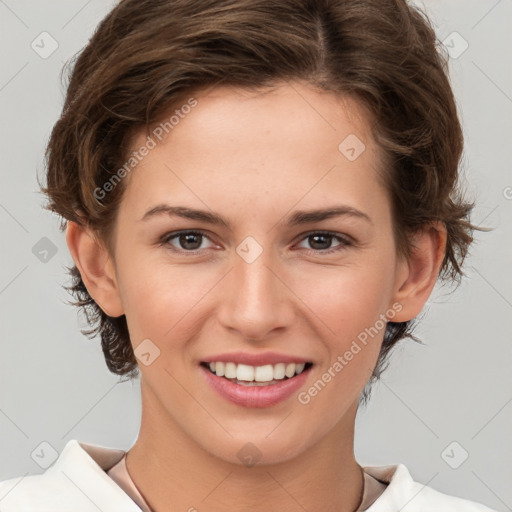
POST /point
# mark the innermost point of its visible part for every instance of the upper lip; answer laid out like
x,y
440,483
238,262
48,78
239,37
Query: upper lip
x,y
255,359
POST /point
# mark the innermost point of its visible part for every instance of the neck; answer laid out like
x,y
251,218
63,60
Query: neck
x,y
173,472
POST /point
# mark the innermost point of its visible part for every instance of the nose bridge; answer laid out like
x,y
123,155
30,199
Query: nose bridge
x,y
255,302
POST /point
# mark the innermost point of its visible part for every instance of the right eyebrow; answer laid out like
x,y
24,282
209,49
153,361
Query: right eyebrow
x,y
186,213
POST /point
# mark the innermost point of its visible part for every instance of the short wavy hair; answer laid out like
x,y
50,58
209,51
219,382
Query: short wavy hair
x,y
146,56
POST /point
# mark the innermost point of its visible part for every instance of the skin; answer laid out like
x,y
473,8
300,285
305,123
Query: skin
x,y
255,159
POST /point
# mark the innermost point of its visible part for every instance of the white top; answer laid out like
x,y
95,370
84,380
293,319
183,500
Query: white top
x,y
88,478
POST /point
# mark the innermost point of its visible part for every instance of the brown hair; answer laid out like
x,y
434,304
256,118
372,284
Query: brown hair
x,y
146,56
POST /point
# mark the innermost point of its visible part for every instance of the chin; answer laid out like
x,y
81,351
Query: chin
x,y
258,450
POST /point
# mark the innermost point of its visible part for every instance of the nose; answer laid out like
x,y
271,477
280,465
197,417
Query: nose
x,y
256,302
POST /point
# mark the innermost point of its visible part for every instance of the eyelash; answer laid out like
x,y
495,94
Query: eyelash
x,y
345,241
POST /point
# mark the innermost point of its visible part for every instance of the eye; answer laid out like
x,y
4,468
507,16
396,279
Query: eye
x,y
191,241
321,242
186,241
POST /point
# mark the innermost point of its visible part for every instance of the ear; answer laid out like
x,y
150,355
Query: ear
x,y
96,268
418,273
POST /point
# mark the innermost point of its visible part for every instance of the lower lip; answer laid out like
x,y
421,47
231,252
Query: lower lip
x,y
255,396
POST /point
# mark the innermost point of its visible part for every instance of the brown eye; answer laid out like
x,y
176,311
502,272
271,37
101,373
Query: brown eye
x,y
190,241
185,241
322,242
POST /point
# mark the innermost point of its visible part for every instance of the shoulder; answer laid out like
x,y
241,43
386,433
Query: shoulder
x,y
34,493
76,481
406,495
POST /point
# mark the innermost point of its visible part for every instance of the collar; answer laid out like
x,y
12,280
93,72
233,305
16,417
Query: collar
x,y
92,479
85,466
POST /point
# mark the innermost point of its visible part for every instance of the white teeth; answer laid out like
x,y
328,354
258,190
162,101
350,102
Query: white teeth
x,y
219,368
230,371
244,372
266,373
299,368
290,370
279,369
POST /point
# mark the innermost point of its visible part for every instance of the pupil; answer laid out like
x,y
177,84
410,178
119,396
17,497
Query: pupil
x,y
315,241
189,238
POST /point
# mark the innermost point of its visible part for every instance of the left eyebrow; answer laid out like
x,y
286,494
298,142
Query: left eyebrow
x,y
306,216
298,217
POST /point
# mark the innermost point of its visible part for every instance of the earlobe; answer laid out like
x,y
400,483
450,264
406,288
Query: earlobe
x,y
419,273
96,268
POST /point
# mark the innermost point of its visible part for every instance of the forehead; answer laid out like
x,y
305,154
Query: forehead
x,y
294,110
286,142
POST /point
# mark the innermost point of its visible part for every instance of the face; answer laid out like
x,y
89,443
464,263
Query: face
x,y
265,285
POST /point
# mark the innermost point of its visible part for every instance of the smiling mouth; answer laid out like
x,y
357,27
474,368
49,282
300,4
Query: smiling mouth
x,y
266,375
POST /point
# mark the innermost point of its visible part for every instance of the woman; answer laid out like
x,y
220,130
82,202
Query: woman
x,y
259,198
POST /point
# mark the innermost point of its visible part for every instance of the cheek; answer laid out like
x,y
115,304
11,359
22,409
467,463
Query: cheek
x,y
349,304
159,298
348,299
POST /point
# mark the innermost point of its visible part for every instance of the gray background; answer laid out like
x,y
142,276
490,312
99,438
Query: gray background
x,y
54,385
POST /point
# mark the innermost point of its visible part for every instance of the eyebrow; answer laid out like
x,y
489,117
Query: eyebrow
x,y
297,218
